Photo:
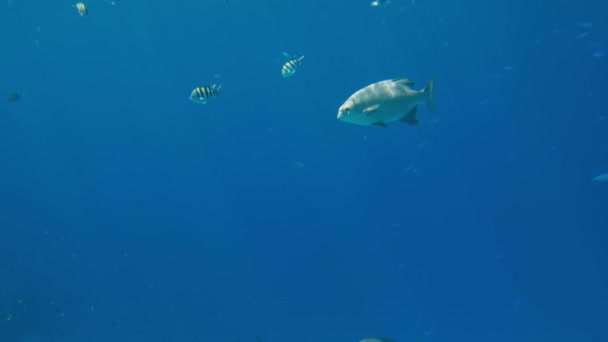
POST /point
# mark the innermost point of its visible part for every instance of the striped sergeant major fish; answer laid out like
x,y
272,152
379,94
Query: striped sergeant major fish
x,y
202,94
290,67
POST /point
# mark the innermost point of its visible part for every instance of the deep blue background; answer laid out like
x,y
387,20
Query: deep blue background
x,y
129,213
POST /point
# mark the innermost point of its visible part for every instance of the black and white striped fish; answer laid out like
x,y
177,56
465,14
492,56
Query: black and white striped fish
x,y
290,67
204,93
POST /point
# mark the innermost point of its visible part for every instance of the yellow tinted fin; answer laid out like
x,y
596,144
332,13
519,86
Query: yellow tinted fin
x,y
411,117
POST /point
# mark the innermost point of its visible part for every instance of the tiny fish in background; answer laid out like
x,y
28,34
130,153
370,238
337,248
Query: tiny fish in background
x,y
380,3
290,67
202,94
601,178
377,339
82,9
15,97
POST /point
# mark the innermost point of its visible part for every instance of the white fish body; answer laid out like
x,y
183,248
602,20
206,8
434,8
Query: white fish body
x,y
82,9
601,178
386,101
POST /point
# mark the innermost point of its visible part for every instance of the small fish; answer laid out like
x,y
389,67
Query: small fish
x,y
386,101
377,339
204,93
15,97
82,9
601,178
290,67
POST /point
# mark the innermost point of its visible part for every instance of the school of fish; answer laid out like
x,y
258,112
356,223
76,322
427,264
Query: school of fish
x,y
376,104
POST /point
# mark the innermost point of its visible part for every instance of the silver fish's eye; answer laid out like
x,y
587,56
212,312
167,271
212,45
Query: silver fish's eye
x,y
346,109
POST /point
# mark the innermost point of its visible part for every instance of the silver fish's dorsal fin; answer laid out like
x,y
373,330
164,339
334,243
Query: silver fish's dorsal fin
x,y
404,81
380,124
411,117
371,109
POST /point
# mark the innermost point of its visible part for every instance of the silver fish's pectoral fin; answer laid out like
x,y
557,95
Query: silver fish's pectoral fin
x,y
380,124
405,81
411,117
370,109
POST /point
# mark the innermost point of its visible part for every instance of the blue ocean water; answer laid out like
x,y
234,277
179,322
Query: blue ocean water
x,y
130,213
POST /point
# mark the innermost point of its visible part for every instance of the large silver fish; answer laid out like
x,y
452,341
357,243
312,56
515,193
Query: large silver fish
x,y
386,101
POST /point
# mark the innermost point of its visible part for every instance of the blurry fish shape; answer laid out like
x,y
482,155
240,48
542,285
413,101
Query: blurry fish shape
x,y
380,3
82,9
290,67
386,101
202,94
15,97
586,24
601,178
377,339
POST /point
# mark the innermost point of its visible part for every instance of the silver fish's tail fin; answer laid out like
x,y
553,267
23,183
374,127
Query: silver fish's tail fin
x,y
217,88
429,90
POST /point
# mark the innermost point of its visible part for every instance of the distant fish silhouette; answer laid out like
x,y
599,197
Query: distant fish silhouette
x,y
601,178
15,97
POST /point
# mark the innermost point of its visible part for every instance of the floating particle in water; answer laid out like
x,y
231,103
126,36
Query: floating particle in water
x,y
599,54
517,304
297,164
